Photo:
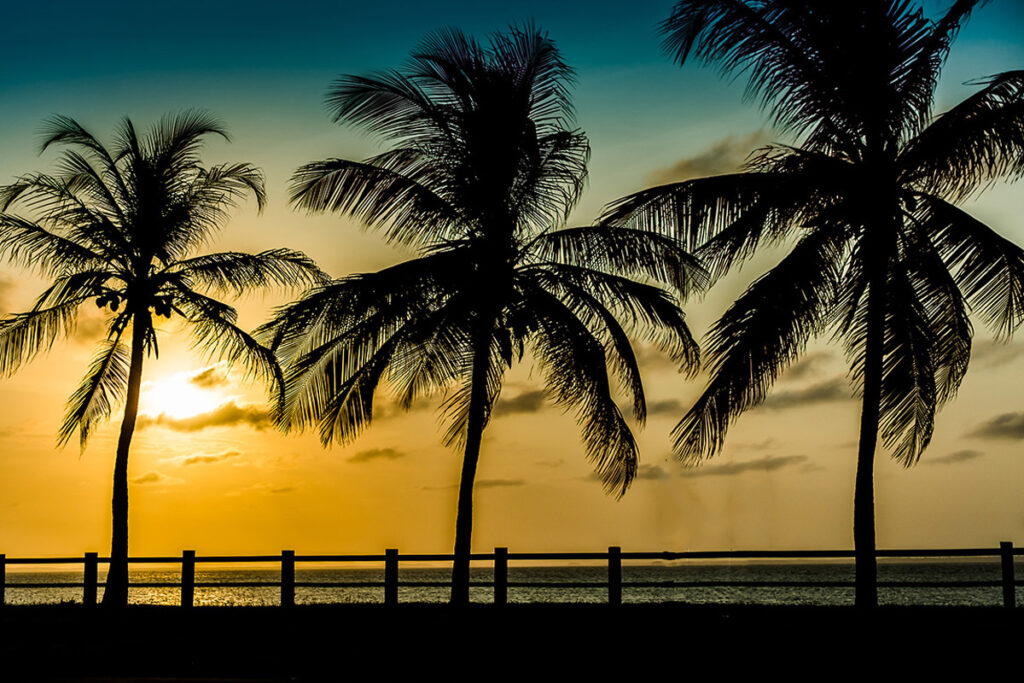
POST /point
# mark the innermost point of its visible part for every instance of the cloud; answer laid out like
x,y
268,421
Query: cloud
x,y
1005,426
835,389
768,464
278,490
155,478
723,156
991,354
228,414
376,454
205,458
496,483
91,326
670,407
480,484
551,463
808,366
527,402
209,378
653,472
953,458
651,358
7,286
755,446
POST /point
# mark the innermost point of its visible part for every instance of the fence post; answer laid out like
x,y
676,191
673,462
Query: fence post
x,y
89,580
614,575
188,578
391,576
287,578
1009,579
501,576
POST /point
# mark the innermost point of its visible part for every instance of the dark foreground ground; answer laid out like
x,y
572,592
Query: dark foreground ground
x,y
519,642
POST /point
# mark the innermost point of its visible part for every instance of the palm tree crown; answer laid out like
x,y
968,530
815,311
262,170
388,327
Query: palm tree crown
x,y
118,226
483,171
881,255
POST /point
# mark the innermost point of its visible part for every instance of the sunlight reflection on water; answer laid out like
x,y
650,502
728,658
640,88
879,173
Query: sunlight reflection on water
x,y
774,595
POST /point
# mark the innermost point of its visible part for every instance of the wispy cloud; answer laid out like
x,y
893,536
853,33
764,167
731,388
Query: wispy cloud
x,y
480,484
204,458
527,402
228,414
669,406
809,366
829,391
768,464
376,454
723,156
952,458
155,478
498,483
652,472
991,354
1005,426
210,378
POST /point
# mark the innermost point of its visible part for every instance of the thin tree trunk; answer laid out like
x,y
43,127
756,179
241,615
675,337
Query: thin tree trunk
x,y
866,580
474,433
116,591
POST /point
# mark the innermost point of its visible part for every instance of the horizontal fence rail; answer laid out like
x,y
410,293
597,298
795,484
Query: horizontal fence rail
x,y
500,559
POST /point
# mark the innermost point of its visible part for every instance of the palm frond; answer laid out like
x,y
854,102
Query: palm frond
x,y
239,272
977,141
988,268
759,336
102,388
411,212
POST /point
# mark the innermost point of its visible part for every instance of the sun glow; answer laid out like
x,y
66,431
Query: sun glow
x,y
179,396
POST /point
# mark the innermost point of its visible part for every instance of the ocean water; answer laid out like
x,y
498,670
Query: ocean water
x,y
525,588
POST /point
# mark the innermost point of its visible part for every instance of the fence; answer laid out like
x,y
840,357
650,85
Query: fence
x,y
500,559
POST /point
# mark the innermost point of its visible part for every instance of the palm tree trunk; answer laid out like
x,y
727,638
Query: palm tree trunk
x,y
474,433
116,592
866,581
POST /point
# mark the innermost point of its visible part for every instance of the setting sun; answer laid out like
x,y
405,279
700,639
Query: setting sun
x,y
184,394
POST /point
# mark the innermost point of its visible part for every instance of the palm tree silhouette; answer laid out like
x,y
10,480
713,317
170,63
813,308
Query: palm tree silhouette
x,y
883,257
483,172
119,226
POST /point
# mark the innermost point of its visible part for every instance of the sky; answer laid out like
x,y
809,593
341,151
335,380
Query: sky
x,y
208,472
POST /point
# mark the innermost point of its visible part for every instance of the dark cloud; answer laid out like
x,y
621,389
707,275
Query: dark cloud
x,y
809,366
495,483
755,446
278,490
527,402
208,378
768,464
991,354
649,357
724,156
208,458
91,326
1005,426
479,484
668,407
376,454
155,478
7,287
228,414
953,458
835,389
654,472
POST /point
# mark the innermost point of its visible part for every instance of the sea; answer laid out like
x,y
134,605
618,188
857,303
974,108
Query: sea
x,y
662,583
